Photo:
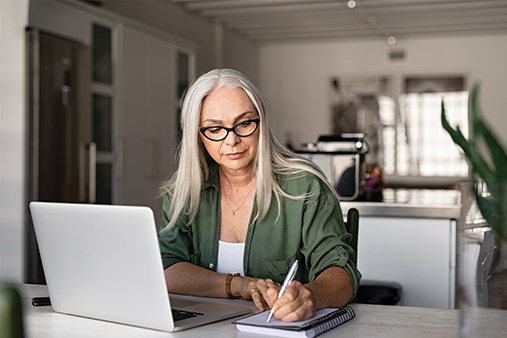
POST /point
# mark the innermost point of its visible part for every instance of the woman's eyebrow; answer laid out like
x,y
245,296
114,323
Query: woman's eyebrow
x,y
212,121
245,114
236,119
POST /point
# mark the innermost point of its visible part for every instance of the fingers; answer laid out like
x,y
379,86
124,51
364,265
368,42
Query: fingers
x,y
243,286
263,292
257,299
269,290
295,304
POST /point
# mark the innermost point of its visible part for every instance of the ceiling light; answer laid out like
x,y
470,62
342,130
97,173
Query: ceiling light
x,y
351,4
391,40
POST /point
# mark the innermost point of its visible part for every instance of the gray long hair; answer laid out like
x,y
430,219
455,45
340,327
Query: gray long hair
x,y
272,157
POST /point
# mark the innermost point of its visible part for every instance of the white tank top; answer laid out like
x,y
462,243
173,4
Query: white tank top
x,y
230,257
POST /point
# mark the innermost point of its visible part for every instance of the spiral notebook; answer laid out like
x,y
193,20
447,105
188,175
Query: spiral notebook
x,y
324,320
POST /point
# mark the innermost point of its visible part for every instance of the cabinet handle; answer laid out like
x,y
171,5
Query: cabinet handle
x,y
92,174
82,172
66,86
65,95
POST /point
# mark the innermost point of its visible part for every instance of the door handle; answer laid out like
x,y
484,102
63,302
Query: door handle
x,y
82,172
87,172
66,86
92,172
65,95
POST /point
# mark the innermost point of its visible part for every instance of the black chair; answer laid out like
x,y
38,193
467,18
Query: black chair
x,y
370,292
352,225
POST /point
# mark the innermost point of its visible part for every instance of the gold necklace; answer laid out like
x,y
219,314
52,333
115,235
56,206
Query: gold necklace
x,y
234,211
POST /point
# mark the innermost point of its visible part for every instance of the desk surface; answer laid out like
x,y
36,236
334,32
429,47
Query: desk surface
x,y
371,321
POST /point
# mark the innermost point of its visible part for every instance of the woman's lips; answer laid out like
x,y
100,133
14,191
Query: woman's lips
x,y
234,156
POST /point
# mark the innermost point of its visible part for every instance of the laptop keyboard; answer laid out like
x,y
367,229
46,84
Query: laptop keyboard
x,y
180,314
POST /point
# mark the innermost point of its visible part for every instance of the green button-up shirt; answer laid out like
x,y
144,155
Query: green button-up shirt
x,y
309,229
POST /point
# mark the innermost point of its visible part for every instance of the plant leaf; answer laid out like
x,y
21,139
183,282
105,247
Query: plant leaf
x,y
476,161
473,110
480,166
498,155
494,206
456,135
495,217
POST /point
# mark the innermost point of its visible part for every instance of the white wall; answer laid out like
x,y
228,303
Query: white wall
x,y
13,20
295,77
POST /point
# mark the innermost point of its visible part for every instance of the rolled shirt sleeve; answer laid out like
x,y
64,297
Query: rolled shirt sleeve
x,y
325,239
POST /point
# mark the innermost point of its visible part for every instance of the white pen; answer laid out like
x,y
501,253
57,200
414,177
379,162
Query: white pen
x,y
288,279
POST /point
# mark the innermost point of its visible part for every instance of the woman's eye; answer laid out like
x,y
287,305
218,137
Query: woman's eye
x,y
214,130
245,124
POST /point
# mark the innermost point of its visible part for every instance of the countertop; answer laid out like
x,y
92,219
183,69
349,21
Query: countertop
x,y
412,203
371,321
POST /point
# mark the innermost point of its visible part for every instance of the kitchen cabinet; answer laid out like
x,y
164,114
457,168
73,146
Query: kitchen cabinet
x,y
419,254
141,93
147,117
412,245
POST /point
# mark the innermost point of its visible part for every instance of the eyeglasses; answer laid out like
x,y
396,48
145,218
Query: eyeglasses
x,y
242,129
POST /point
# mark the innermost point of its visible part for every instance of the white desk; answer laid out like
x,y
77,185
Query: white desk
x,y
371,321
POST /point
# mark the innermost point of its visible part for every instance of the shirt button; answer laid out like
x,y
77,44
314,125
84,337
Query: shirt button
x,y
211,265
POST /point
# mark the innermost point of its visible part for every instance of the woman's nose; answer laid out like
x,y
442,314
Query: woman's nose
x,y
232,139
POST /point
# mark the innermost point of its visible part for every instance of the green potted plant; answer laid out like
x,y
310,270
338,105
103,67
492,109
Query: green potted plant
x,y
492,169
481,261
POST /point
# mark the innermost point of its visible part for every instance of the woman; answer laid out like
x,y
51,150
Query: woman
x,y
241,208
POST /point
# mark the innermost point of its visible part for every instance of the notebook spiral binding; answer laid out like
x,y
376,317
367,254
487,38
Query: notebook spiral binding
x,y
332,320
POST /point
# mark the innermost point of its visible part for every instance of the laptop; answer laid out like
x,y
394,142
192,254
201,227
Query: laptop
x,y
103,262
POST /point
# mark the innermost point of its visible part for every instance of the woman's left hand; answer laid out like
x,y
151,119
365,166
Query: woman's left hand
x,y
295,304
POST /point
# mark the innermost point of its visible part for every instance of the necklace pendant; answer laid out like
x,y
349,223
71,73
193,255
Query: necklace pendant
x,y
233,213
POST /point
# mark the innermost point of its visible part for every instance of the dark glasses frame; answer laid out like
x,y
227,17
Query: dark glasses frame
x,y
233,129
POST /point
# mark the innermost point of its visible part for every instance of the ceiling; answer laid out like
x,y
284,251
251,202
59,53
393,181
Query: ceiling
x,y
266,21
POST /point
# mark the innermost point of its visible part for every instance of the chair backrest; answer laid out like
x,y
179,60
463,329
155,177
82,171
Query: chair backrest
x,y
352,226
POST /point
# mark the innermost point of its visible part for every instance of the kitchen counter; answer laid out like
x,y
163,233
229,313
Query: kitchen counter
x,y
413,203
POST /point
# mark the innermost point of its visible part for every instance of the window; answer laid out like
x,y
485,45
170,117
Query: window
x,y
403,127
424,147
102,61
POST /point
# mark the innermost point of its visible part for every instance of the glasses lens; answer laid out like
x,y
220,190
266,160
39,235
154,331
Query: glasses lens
x,y
245,128
215,133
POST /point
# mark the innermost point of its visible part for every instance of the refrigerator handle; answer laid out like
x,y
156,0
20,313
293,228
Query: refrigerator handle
x,y
82,172
92,174
66,89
